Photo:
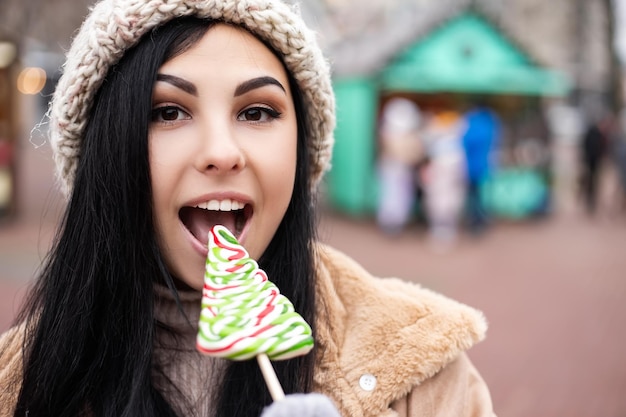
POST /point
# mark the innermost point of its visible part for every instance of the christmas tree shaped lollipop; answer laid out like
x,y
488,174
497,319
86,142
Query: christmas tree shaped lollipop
x,y
243,314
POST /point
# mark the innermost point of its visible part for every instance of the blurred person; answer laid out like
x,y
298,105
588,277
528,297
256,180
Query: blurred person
x,y
172,116
401,151
444,177
479,142
593,148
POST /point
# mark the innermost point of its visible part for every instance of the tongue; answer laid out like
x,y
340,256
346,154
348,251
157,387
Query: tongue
x,y
199,222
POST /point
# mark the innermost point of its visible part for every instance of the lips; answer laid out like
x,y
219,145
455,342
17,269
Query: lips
x,y
201,218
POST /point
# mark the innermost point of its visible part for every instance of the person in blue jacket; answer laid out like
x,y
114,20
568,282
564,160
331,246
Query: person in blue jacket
x,y
479,144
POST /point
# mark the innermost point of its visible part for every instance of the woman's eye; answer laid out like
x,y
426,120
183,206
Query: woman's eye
x,y
168,114
258,114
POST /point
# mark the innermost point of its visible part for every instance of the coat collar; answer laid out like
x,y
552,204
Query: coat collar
x,y
389,331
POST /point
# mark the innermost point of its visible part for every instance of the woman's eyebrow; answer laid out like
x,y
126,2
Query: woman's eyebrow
x,y
257,83
178,82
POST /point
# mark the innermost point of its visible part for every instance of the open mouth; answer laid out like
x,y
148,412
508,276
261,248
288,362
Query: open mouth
x,y
229,213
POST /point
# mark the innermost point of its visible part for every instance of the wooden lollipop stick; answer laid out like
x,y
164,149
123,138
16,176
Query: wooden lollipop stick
x,y
276,390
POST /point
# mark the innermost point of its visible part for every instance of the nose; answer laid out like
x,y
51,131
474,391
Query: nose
x,y
219,151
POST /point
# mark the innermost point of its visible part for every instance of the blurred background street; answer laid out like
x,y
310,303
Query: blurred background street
x,y
406,195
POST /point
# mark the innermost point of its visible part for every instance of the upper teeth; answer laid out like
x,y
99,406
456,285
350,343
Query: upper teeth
x,y
221,205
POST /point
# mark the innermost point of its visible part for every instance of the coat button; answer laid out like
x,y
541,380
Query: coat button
x,y
367,382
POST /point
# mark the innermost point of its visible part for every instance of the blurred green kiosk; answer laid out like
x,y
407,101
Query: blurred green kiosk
x,y
463,56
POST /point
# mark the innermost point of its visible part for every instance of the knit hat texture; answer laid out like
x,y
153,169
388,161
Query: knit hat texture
x,y
113,26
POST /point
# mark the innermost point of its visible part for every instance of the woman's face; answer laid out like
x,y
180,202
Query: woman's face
x,y
222,148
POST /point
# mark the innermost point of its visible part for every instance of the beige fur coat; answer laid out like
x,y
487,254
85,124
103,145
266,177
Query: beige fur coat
x,y
385,348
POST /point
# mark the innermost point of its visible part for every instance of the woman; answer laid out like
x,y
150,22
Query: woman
x,y
172,116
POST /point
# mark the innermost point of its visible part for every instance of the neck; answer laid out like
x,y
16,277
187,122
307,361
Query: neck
x,y
182,374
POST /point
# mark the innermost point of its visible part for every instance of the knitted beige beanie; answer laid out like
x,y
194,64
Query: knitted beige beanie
x,y
113,26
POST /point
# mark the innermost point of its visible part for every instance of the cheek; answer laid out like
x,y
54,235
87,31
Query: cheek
x,y
164,174
158,178
167,160
279,186
281,172
158,203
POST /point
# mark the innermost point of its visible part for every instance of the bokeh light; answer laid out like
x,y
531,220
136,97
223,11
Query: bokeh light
x,y
31,80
